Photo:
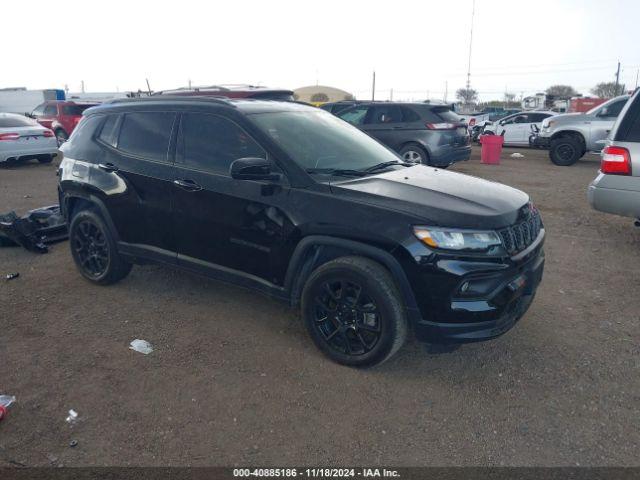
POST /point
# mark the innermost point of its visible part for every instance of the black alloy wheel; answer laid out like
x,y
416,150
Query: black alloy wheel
x,y
347,317
91,249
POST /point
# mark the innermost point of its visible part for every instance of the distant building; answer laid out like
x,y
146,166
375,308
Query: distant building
x,y
319,94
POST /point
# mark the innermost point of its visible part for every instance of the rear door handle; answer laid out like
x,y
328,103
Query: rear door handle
x,y
188,185
108,167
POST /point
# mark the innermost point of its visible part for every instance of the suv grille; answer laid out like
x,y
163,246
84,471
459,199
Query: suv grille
x,y
519,236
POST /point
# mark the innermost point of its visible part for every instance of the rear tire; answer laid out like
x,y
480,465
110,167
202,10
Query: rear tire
x,y
414,153
94,250
353,312
565,151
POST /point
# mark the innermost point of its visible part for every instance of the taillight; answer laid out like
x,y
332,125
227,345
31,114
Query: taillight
x,y
441,126
615,161
48,133
9,136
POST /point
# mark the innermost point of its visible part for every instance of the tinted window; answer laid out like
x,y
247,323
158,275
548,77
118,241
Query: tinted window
x,y
381,114
538,117
108,134
355,116
74,109
146,134
409,115
7,121
633,132
50,111
210,142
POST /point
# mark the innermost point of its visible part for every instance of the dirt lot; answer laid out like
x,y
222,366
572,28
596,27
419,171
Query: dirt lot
x,y
234,379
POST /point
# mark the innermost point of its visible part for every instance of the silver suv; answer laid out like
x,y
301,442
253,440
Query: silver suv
x,y
616,189
568,137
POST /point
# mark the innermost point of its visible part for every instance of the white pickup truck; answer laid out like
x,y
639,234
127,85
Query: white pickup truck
x,y
568,137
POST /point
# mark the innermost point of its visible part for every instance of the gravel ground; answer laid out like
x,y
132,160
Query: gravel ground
x,y
234,379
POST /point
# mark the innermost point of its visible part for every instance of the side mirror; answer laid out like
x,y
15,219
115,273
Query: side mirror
x,y
252,169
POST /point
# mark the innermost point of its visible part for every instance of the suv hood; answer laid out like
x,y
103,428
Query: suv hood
x,y
438,197
568,117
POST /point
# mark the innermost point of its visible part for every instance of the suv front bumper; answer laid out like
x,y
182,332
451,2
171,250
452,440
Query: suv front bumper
x,y
509,294
539,141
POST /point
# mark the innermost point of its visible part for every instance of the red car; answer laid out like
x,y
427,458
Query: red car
x,y
60,116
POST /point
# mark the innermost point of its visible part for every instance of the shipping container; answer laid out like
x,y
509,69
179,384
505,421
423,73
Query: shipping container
x,y
21,100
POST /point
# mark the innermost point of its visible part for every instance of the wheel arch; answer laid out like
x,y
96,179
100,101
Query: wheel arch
x,y
315,250
76,201
570,133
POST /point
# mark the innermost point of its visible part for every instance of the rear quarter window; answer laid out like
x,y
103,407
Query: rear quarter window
x,y
629,129
80,145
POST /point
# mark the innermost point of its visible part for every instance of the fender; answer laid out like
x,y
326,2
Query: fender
x,y
309,251
95,201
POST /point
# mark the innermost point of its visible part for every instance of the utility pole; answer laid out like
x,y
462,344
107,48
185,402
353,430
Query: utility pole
x,y
446,90
618,78
189,82
373,87
82,86
148,86
637,73
391,95
473,11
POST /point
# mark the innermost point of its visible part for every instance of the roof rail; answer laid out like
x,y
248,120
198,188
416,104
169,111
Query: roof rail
x,y
174,98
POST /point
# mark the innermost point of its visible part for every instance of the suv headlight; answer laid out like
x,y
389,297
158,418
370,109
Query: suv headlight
x,y
456,239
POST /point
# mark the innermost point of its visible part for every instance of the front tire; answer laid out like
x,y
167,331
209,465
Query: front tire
x,y
565,151
94,250
353,312
414,153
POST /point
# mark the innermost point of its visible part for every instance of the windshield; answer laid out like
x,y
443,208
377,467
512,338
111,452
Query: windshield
x,y
320,141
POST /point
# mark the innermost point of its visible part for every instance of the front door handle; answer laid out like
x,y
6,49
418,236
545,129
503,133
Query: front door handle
x,y
188,185
108,167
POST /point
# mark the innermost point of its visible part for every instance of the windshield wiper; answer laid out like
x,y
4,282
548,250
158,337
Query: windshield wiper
x,y
382,165
338,171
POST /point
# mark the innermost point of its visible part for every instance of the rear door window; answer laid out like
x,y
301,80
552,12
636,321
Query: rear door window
x,y
355,116
409,115
146,134
538,117
211,143
383,114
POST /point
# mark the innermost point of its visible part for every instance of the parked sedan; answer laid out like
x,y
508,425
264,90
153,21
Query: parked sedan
x,y
616,189
23,139
422,133
516,128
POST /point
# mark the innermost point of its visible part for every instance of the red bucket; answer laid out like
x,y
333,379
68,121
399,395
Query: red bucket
x,y
491,149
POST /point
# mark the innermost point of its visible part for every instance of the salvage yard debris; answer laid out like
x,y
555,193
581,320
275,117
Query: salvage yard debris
x,y
73,417
34,230
141,346
5,401
517,155
11,276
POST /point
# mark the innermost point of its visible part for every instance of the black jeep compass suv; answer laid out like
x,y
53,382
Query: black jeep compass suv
x,y
295,203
